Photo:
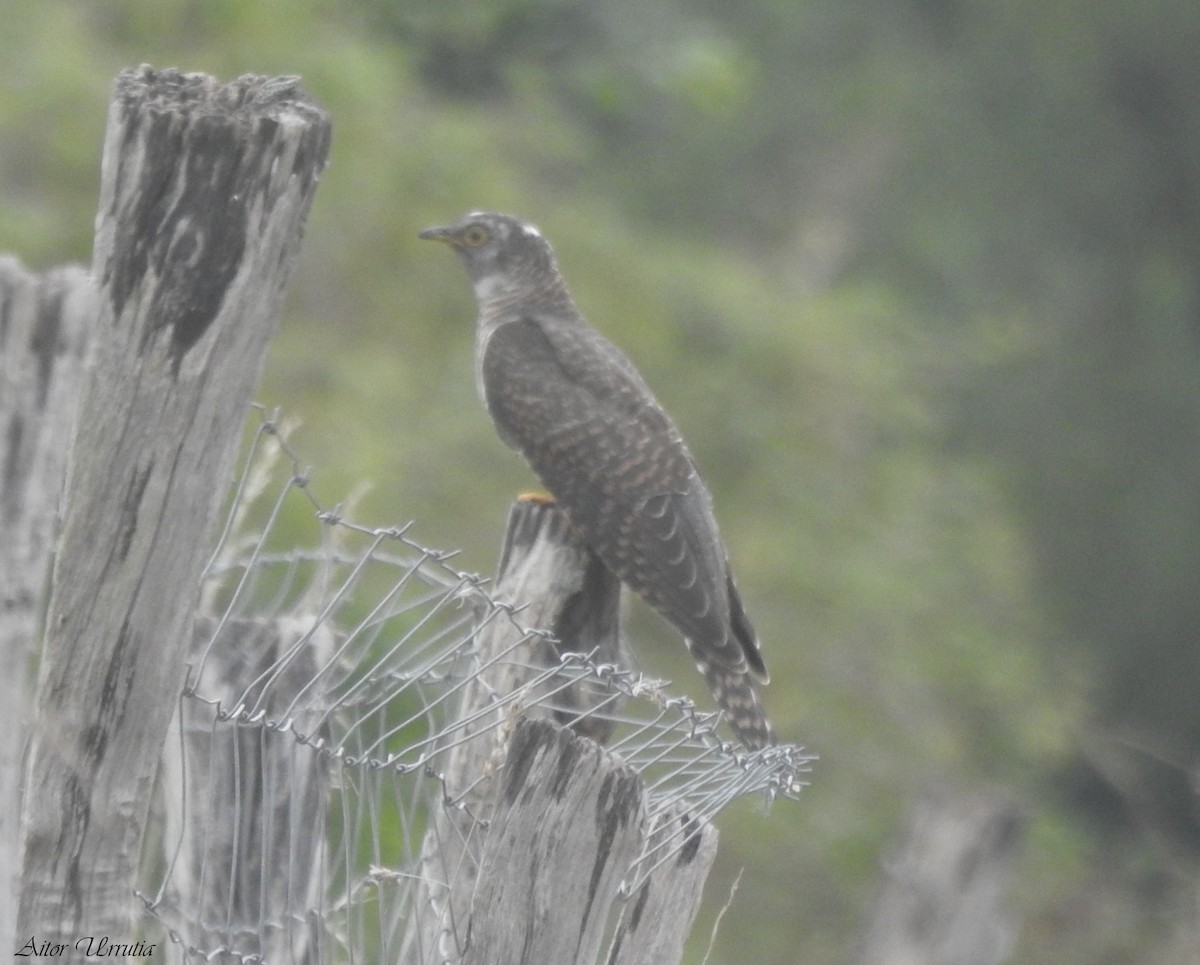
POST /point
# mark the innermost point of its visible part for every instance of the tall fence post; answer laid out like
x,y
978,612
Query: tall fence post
x,y
45,325
204,192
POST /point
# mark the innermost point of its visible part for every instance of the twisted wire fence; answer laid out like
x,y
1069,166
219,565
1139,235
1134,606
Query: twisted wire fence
x,y
326,694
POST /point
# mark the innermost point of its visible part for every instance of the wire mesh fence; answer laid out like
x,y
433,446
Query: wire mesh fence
x,y
332,682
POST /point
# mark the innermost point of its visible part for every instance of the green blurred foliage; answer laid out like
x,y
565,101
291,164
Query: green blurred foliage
x,y
918,280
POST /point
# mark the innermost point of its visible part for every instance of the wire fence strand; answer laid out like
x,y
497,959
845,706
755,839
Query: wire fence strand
x,y
324,691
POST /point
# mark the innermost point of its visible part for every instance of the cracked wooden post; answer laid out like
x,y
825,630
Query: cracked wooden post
x,y
565,592
567,824
657,918
204,192
540,826
45,325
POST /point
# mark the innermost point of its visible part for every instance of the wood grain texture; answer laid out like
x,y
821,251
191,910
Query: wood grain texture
x,y
245,803
204,192
545,569
570,822
45,325
656,920
526,857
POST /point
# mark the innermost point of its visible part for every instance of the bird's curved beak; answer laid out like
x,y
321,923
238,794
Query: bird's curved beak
x,y
442,233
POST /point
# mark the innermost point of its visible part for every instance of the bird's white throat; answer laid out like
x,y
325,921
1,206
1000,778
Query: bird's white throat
x,y
488,287
494,291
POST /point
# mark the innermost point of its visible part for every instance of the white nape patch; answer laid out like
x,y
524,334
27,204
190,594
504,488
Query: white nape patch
x,y
530,231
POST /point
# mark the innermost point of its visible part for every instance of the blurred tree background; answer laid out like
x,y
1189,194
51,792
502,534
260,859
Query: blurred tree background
x,y
920,280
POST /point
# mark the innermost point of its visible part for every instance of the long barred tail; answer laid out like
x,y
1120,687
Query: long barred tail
x,y
735,695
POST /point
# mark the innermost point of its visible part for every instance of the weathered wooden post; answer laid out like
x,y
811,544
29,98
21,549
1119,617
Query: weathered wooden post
x,y
45,324
525,859
942,900
543,847
204,192
245,801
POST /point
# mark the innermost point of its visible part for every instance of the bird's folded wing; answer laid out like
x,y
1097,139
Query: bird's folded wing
x,y
578,411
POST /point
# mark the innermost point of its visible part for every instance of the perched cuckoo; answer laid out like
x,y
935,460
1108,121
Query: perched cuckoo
x,y
578,411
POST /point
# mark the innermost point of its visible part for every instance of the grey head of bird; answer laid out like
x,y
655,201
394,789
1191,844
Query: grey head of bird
x,y
505,257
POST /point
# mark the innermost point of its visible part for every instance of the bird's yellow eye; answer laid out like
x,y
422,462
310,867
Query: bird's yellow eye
x,y
475,235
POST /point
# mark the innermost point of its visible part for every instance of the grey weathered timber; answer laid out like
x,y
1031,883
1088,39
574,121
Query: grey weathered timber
x,y
565,591
204,192
568,822
525,858
45,323
656,920
942,900
246,802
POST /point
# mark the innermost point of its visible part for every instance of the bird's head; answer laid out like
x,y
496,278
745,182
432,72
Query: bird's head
x,y
504,256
